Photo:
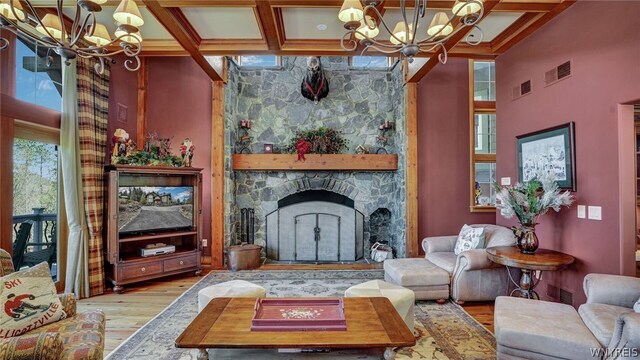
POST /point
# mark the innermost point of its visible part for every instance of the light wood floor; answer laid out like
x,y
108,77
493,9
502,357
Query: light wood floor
x,y
128,312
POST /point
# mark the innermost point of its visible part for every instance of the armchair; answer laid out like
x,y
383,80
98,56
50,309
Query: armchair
x,y
605,327
473,276
79,336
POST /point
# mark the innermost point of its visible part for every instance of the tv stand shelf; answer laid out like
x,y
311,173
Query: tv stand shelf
x,y
128,191
156,236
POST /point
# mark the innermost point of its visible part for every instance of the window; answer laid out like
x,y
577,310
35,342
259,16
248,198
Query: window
x,y
482,104
370,62
258,61
35,197
38,75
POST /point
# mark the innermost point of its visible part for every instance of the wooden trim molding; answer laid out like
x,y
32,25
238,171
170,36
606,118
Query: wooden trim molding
x,y
6,183
217,173
17,109
411,109
141,120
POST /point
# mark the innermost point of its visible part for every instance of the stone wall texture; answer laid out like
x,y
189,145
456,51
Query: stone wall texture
x,y
359,101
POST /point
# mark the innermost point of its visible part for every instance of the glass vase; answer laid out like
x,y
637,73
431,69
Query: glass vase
x,y
527,241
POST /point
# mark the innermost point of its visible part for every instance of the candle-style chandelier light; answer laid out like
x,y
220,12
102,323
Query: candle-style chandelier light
x,y
363,27
86,38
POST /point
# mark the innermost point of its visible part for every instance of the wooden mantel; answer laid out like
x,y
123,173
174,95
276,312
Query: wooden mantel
x,y
315,162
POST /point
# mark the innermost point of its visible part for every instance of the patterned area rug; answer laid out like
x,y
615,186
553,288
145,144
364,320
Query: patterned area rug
x,y
442,331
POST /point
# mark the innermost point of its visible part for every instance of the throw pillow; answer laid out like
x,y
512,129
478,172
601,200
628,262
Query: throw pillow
x,y
29,301
636,307
469,238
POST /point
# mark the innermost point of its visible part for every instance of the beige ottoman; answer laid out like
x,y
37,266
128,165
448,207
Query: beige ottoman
x,y
534,329
428,281
233,288
401,298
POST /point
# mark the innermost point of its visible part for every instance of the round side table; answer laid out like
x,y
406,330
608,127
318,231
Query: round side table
x,y
529,264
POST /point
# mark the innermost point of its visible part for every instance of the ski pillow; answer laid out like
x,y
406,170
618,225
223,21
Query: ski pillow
x,y
28,300
469,238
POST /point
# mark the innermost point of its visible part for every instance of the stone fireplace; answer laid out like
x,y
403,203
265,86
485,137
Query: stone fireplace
x,y
316,216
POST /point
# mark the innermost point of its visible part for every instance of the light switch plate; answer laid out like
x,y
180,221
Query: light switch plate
x,y
506,181
582,212
595,212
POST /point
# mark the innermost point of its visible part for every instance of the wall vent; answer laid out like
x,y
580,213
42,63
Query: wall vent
x,y
558,73
553,292
566,297
521,90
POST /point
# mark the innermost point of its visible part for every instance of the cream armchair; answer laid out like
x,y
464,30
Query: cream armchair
x,y
473,276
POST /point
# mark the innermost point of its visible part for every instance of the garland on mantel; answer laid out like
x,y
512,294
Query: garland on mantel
x,y
323,140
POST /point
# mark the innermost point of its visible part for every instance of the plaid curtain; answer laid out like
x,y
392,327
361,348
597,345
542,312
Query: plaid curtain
x,y
93,114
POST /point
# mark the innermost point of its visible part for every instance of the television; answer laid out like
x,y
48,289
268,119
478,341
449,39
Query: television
x,y
145,209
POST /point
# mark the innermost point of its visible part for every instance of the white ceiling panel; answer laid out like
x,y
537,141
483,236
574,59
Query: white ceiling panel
x,y
495,23
151,29
223,22
301,23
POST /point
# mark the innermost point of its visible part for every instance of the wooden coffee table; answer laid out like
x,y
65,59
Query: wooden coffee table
x,y
372,322
529,265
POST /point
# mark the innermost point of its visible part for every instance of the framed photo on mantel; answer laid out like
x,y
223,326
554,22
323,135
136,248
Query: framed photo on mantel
x,y
550,150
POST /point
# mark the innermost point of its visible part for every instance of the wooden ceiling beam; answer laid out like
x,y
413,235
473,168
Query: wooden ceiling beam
x,y
504,46
172,20
416,73
269,24
513,30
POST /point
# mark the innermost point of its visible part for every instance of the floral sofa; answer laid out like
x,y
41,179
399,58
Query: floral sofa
x,y
79,336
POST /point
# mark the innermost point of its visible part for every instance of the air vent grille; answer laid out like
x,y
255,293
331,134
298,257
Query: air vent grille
x,y
558,73
525,87
521,90
564,70
566,297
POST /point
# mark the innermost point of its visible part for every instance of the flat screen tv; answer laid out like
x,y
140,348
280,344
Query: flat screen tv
x,y
145,209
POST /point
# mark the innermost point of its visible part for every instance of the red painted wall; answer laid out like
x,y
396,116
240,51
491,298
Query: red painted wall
x,y
123,89
605,70
179,106
443,154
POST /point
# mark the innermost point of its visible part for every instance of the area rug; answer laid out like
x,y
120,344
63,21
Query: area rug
x,y
442,331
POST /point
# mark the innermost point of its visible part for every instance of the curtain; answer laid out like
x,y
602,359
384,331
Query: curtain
x,y
93,117
83,132
76,280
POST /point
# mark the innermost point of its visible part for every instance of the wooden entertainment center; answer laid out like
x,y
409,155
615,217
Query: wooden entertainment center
x,y
124,264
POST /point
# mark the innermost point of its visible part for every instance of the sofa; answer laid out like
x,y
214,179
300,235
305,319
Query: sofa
x,y
473,276
606,326
78,336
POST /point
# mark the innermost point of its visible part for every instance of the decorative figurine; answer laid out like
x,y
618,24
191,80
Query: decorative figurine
x,y
119,142
243,143
362,149
268,148
186,151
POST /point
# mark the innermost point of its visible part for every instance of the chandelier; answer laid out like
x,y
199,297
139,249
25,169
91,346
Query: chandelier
x,y
86,38
362,27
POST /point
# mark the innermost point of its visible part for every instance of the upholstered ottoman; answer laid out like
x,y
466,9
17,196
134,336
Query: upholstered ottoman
x,y
233,288
534,329
401,298
428,281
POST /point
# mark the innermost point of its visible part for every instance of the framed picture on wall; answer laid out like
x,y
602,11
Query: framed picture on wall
x,y
550,150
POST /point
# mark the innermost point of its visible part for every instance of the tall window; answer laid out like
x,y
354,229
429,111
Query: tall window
x,y
35,197
482,105
38,75
370,62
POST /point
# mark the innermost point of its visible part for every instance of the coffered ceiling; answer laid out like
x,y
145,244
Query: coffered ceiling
x,y
200,28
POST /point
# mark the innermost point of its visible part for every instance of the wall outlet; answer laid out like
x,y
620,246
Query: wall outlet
x,y
595,212
204,242
582,212
505,181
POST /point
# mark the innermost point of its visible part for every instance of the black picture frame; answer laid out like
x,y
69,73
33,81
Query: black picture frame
x,y
552,149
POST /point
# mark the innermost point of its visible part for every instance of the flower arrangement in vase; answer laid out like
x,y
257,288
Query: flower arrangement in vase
x,y
527,202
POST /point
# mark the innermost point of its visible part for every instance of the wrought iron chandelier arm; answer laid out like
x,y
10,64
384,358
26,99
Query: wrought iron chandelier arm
x,y
74,26
15,13
133,60
55,42
353,43
375,11
63,29
416,11
83,28
472,42
384,51
14,29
